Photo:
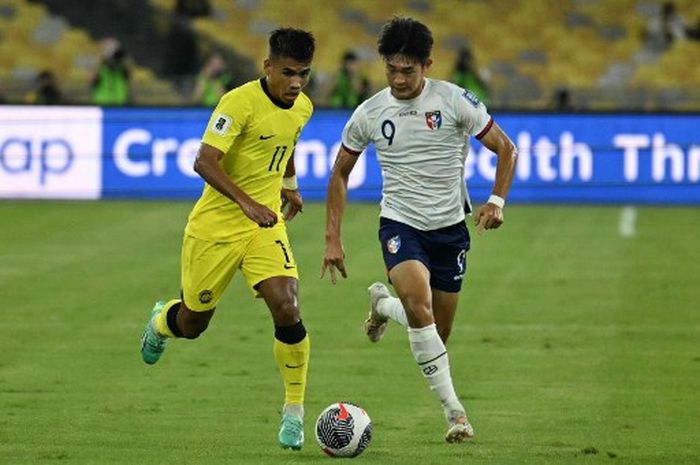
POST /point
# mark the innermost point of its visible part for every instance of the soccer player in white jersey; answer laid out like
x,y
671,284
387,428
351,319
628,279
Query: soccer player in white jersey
x,y
420,128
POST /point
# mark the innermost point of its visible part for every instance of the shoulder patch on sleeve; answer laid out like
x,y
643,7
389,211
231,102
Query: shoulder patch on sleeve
x,y
221,124
473,99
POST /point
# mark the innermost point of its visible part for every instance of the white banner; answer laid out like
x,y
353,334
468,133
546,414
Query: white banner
x,y
50,152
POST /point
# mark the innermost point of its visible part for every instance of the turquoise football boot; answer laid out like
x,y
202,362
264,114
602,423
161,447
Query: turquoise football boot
x,y
152,343
291,432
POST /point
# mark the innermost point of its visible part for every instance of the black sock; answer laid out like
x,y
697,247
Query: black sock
x,y
290,334
171,319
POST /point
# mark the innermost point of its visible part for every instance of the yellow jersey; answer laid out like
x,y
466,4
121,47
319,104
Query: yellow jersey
x,y
257,135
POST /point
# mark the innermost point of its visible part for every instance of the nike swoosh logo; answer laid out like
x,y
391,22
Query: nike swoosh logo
x,y
294,366
289,267
266,137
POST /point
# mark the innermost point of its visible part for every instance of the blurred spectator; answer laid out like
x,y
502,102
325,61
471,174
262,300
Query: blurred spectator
x,y
694,32
181,60
110,84
351,86
468,76
561,100
213,82
46,91
193,8
665,28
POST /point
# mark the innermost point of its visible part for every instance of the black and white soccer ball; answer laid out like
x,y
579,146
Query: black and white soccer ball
x,y
343,430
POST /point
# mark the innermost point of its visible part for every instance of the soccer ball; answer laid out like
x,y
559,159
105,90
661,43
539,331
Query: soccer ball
x,y
343,430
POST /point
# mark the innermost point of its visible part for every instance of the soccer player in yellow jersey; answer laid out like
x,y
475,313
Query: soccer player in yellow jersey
x,y
246,159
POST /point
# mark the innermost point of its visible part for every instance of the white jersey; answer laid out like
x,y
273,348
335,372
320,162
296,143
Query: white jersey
x,y
422,146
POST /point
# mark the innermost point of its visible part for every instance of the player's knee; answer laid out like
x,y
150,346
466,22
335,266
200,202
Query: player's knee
x,y
418,309
286,313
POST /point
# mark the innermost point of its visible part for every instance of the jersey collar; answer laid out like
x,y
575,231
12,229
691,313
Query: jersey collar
x,y
417,98
277,102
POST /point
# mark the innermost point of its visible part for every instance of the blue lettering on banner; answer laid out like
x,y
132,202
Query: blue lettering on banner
x,y
18,156
50,152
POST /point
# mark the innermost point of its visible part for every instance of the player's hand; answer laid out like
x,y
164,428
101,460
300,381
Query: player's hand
x,y
292,203
333,259
488,216
258,213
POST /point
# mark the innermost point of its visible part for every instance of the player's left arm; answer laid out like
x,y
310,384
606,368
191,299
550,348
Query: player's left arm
x,y
292,202
490,215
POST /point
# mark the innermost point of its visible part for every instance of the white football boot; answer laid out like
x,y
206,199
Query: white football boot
x,y
375,325
459,429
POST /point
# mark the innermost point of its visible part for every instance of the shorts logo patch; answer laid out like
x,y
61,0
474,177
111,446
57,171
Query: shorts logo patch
x,y
461,257
221,124
205,296
461,260
433,119
393,244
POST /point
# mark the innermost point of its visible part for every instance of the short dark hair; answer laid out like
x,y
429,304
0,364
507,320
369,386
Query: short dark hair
x,y
405,36
292,43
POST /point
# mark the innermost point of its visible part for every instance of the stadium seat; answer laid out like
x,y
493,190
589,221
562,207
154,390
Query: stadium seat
x,y
589,46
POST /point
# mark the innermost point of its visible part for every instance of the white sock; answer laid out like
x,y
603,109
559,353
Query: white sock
x,y
293,409
392,308
431,355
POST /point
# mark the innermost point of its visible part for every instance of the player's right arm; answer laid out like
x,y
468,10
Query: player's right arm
x,y
334,257
208,166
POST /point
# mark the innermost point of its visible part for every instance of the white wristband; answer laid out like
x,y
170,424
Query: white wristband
x,y
497,201
290,183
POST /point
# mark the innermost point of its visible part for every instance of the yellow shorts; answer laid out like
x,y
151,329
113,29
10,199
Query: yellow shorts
x,y
208,267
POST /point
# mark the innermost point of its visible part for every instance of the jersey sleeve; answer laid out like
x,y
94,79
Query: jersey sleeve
x,y
472,114
227,121
356,134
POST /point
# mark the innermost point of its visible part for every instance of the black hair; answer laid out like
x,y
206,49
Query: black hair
x,y
349,56
405,36
292,43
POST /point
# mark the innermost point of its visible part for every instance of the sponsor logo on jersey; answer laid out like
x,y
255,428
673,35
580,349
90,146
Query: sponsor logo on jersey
x,y
408,113
221,124
393,244
473,99
433,119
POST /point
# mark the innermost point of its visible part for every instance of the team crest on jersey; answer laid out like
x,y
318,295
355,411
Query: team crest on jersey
x,y
433,119
473,99
393,244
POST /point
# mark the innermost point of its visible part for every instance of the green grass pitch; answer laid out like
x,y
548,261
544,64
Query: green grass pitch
x,y
572,345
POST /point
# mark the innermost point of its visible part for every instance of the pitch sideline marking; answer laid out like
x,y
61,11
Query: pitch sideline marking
x,y
627,226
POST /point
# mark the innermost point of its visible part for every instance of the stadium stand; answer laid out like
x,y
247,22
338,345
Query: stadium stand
x,y
33,39
529,50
